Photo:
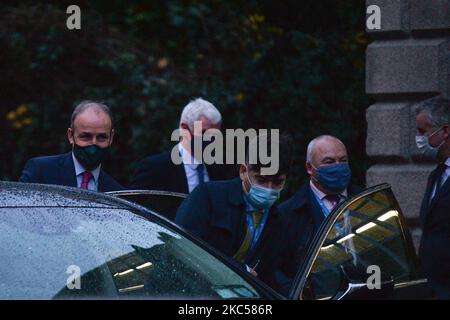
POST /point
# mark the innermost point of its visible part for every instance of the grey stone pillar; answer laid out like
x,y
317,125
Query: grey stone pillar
x,y
407,61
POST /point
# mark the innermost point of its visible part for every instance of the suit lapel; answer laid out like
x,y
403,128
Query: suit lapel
x,y
445,188
180,178
318,215
426,203
102,185
235,216
67,173
213,172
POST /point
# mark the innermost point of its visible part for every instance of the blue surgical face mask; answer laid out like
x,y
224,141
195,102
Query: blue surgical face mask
x,y
334,178
427,150
261,197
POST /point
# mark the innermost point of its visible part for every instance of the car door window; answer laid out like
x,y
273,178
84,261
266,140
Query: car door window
x,y
163,202
365,233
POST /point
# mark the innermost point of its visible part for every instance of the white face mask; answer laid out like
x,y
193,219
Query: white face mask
x,y
427,150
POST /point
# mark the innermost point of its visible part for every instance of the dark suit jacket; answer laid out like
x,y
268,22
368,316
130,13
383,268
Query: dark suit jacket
x,y
434,250
158,172
215,212
300,218
60,170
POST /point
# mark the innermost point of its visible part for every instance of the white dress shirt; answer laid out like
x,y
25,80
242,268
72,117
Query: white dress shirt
x,y
321,196
79,169
190,165
444,177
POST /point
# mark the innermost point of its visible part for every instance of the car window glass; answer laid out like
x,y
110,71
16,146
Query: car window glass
x,y
164,204
368,232
118,254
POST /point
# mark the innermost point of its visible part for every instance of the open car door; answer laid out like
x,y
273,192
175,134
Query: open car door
x,y
363,250
164,203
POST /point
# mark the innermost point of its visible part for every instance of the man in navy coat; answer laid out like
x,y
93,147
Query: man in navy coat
x,y
236,216
433,131
302,214
90,134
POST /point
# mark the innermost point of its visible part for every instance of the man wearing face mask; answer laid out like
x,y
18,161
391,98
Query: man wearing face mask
x,y
302,214
433,129
236,216
90,134
159,172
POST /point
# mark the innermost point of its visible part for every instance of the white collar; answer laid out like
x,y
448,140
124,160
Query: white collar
x,y
322,195
79,169
187,158
447,163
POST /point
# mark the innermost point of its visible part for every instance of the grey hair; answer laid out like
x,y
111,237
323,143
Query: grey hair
x,y
312,145
437,110
197,108
87,104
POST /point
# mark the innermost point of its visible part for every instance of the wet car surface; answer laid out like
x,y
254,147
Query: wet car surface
x,y
65,243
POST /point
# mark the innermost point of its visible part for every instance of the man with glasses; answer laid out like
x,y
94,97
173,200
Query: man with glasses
x,y
91,135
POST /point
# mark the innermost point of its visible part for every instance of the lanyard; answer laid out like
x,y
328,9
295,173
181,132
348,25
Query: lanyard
x,y
325,210
255,234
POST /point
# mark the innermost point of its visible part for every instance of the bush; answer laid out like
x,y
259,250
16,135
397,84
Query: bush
x,y
293,65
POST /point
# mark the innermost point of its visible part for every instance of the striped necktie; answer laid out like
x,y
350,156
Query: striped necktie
x,y
200,175
333,199
87,176
247,243
439,177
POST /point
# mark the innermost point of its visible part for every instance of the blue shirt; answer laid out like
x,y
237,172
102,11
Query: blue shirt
x,y
79,169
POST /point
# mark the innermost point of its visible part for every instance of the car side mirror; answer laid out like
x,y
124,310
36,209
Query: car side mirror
x,y
354,285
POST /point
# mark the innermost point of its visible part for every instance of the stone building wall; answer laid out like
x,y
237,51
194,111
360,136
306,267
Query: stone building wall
x,y
407,61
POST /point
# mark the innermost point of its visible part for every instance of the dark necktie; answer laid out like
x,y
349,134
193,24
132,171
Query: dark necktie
x,y
200,175
439,174
333,198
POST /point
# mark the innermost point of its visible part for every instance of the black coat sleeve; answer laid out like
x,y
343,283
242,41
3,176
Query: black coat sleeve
x,y
195,212
146,176
30,173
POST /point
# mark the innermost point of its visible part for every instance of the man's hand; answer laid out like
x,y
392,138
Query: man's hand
x,y
253,272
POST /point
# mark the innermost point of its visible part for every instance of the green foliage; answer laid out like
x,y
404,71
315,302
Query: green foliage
x,y
293,65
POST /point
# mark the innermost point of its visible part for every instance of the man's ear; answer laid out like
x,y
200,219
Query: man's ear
x,y
112,137
184,126
242,172
309,168
70,135
184,131
447,130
